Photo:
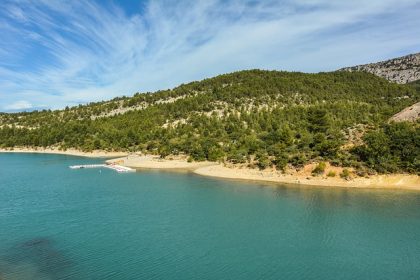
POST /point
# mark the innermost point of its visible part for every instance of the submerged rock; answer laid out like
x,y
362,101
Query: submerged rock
x,y
36,258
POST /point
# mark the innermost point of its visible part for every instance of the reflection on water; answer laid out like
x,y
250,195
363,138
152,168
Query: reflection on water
x,y
333,196
36,258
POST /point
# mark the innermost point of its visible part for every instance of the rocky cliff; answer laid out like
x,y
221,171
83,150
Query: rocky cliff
x,y
400,70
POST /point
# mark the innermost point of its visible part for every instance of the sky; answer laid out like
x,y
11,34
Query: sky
x,y
64,53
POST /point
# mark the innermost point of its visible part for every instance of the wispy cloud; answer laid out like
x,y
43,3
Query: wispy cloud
x,y
64,53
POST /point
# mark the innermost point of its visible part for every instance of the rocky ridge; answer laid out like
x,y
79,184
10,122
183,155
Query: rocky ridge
x,y
400,70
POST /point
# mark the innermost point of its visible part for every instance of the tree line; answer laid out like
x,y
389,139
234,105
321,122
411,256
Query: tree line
x,y
263,118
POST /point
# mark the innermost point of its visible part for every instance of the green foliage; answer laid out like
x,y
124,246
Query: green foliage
x,y
415,85
298,160
318,120
345,174
331,174
319,169
262,161
280,118
281,159
394,147
237,156
215,154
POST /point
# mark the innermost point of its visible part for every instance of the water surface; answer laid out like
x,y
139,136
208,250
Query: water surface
x,y
57,223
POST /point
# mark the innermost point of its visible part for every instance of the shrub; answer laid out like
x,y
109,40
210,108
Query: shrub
x,y
361,172
237,157
335,162
263,161
331,174
319,169
215,154
298,160
345,174
393,147
281,161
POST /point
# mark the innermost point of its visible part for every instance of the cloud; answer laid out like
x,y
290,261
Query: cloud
x,y
65,53
18,106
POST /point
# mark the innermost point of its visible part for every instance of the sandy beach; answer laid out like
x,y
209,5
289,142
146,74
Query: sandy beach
x,y
218,170
302,177
70,152
155,162
395,181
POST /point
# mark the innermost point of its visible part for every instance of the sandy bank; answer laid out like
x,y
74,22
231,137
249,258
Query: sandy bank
x,y
212,169
394,181
155,162
302,177
71,152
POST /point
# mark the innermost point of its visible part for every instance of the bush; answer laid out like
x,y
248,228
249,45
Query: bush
x,y
345,174
331,174
319,170
237,157
392,148
361,172
335,162
263,161
215,154
298,160
280,161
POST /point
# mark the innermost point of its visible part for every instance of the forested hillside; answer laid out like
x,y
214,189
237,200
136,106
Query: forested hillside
x,y
266,118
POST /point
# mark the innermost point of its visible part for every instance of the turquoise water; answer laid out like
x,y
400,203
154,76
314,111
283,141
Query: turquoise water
x,y
57,223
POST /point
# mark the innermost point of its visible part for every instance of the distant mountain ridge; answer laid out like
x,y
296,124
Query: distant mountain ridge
x,y
401,70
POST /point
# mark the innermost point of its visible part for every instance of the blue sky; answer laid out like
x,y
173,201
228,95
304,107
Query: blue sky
x,y
59,53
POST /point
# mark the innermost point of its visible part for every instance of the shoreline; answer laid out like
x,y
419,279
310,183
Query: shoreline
x,y
301,178
390,182
155,162
218,170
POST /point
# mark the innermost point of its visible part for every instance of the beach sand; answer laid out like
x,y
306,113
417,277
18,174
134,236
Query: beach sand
x,y
218,170
394,181
155,162
302,177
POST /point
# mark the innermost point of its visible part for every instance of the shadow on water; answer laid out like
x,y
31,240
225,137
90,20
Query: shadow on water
x,y
36,258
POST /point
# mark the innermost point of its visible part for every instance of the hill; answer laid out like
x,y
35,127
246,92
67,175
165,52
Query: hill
x,y
411,114
400,70
262,118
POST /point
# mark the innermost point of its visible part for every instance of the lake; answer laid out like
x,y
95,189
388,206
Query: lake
x,y
58,223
